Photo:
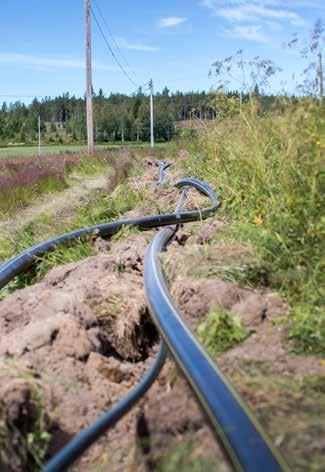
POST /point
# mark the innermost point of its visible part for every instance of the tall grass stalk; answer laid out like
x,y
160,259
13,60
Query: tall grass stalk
x,y
268,170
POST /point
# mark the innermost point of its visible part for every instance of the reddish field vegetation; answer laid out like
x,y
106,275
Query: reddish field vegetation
x,y
21,179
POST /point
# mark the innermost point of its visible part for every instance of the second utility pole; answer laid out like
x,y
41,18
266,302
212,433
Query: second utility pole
x,y
152,136
39,135
89,89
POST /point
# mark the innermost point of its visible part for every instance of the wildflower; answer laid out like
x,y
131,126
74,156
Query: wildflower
x,y
258,220
318,143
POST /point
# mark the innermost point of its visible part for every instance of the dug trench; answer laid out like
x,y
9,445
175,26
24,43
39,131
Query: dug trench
x,y
76,342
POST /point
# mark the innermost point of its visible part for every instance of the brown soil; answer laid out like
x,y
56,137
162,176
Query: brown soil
x,y
75,343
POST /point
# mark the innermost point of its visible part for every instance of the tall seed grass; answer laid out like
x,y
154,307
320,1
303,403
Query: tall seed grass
x,y
268,171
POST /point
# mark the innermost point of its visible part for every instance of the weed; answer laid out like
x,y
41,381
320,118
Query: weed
x,y
183,459
290,407
307,329
103,209
220,331
24,439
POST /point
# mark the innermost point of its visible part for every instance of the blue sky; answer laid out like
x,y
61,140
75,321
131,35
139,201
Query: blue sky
x,y
174,42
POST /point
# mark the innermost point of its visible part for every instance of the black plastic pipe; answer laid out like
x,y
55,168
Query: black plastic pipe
x,y
23,261
73,450
247,445
162,174
245,442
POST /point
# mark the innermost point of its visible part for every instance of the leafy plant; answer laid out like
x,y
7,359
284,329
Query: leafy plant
x,y
180,459
220,331
308,329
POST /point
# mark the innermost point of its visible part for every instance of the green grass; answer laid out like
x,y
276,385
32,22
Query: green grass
x,y
32,151
100,208
26,439
20,197
268,171
290,407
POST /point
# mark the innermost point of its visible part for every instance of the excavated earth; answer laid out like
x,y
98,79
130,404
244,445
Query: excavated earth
x,y
76,342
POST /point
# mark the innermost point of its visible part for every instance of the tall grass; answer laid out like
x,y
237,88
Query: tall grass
x,y
268,170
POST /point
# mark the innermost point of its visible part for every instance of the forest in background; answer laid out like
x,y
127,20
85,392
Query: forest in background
x,y
118,117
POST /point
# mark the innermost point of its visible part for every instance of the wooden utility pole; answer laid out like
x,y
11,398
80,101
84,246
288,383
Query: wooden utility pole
x,y
152,136
39,136
89,89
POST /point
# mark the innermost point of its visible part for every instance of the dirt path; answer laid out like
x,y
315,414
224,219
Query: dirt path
x,y
56,204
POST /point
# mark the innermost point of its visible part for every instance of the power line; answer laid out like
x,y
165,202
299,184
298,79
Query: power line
x,y
10,95
111,50
113,38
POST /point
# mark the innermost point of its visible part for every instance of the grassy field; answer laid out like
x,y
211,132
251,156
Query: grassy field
x,y
32,151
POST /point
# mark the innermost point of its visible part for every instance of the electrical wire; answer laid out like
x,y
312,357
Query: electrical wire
x,y
10,95
112,37
111,50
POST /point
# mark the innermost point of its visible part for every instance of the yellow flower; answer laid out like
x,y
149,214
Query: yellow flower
x,y
318,143
258,220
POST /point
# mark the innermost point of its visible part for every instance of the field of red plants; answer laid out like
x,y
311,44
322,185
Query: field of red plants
x,y
21,179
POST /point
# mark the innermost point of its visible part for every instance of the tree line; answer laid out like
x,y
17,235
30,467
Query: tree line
x,y
117,117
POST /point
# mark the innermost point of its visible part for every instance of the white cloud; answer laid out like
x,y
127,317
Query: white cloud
x,y
171,21
240,11
124,44
247,33
48,63
291,4
251,12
